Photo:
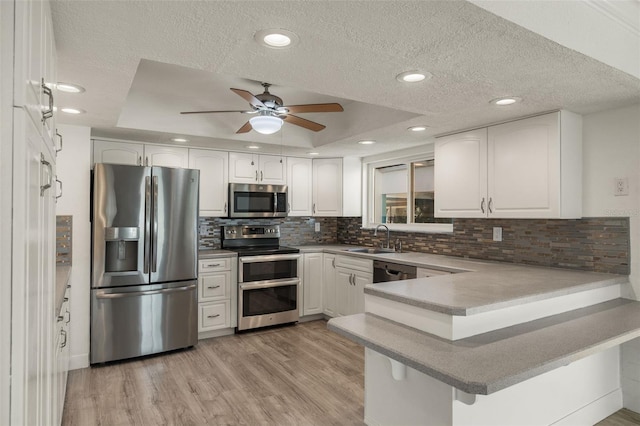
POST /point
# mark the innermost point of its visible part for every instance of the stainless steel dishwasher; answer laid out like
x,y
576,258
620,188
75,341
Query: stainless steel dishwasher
x,y
384,271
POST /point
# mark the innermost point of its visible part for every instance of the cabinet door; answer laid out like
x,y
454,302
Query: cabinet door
x,y
356,295
214,180
327,187
460,175
300,186
49,74
312,285
243,168
166,156
118,153
329,284
524,168
343,283
273,169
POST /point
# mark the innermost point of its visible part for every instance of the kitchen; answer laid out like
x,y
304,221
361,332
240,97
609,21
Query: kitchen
x,y
130,98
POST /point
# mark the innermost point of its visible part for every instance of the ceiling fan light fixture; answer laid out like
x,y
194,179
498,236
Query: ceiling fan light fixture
x,y
276,38
266,124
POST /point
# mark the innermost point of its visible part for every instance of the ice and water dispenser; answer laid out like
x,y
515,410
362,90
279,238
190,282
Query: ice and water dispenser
x,y
121,249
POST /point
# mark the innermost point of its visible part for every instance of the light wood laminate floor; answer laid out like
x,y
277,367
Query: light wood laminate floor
x,y
300,375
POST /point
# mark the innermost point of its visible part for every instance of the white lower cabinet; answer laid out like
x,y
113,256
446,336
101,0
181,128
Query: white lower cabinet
x,y
217,294
351,275
61,358
329,284
312,284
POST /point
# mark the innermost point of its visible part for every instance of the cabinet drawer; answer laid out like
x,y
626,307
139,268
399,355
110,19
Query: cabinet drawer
x,y
214,286
213,316
365,265
211,265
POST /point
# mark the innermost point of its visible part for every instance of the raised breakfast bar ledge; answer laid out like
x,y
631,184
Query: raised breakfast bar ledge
x,y
530,358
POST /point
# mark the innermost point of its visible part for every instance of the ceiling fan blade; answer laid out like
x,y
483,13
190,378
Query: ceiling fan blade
x,y
210,112
307,124
247,96
333,107
245,129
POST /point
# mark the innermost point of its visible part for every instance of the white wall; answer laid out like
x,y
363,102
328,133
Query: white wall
x,y
611,149
73,166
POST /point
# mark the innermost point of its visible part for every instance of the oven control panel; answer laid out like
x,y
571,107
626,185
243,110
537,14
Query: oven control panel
x,y
250,231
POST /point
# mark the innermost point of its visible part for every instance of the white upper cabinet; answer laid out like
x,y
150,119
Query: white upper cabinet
x,y
327,187
214,181
166,156
118,153
300,186
460,176
530,168
253,168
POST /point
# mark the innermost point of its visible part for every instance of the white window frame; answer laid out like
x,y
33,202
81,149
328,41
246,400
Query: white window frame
x,y
368,209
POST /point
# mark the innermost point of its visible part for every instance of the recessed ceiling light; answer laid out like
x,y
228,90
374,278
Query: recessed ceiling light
x,y
68,110
180,140
69,88
367,142
413,76
253,147
276,38
313,153
417,128
505,101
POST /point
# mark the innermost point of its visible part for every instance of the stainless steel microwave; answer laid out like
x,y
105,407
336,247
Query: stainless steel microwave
x,y
256,200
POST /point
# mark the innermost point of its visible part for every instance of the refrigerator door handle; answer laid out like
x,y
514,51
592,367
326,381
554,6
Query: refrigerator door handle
x,y
154,265
147,214
105,295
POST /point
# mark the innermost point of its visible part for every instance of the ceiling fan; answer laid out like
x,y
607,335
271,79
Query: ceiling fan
x,y
271,113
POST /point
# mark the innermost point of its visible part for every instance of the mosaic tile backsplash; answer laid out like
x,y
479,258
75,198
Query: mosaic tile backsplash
x,y
588,244
64,225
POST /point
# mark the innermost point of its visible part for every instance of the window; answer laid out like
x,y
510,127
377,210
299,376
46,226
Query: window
x,y
401,195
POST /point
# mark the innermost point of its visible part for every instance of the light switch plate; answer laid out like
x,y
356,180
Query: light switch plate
x,y
317,227
622,186
497,233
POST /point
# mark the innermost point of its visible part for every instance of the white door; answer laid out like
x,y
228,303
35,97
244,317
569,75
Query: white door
x,y
356,299
166,156
524,168
312,286
214,180
118,152
243,168
273,169
327,187
460,175
329,284
343,282
300,186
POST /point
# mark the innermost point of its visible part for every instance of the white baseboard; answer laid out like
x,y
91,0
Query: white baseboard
x,y
77,362
594,412
216,333
311,318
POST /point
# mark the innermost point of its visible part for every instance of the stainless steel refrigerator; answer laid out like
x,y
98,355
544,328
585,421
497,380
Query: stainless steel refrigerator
x,y
144,260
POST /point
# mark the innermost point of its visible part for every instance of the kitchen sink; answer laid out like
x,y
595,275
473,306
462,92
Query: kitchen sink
x,y
371,250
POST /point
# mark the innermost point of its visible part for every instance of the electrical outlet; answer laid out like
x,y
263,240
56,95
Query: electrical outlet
x,y
317,227
497,233
622,186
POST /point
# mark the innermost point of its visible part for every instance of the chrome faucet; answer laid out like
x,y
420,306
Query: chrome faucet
x,y
375,233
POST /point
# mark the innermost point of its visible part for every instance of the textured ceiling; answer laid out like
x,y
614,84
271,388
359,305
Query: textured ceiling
x,y
126,53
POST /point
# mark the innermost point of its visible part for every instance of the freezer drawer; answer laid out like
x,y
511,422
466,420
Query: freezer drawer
x,y
142,320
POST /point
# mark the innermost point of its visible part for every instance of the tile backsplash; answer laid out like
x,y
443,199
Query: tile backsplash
x,y
64,225
588,244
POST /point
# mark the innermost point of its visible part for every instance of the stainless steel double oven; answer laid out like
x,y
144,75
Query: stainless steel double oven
x,y
268,275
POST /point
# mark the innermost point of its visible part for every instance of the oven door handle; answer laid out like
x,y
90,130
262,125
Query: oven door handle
x,y
268,258
267,284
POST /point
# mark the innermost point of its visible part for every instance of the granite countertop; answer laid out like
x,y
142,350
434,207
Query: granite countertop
x,y
63,273
475,286
489,362
212,254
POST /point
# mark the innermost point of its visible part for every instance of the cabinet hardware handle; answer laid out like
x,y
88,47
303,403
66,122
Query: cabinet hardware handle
x,y
48,184
225,207
139,160
288,207
212,265
64,334
213,286
60,182
59,136
314,208
213,316
68,317
482,205
146,160
48,113
60,318
256,175
333,262
490,205
261,176
66,299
